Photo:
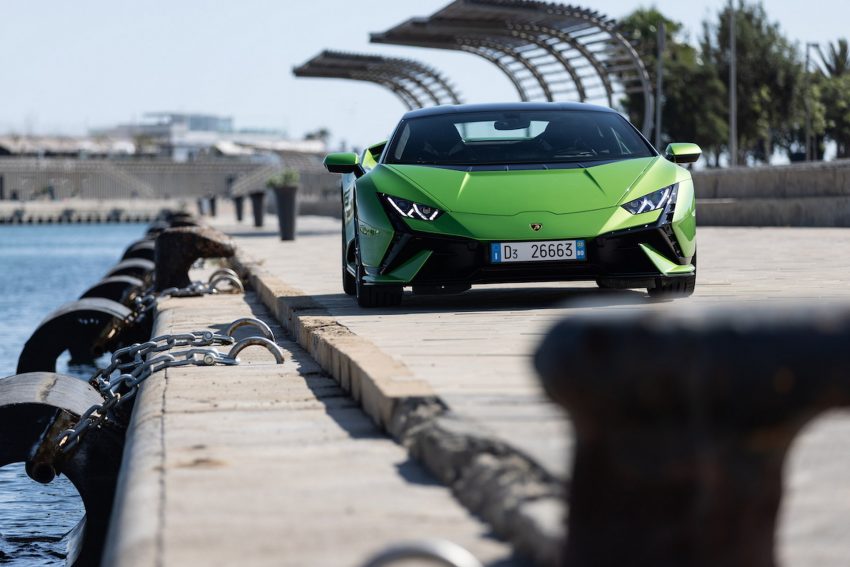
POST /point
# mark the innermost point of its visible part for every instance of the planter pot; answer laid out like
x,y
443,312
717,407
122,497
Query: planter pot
x,y
239,204
258,207
287,210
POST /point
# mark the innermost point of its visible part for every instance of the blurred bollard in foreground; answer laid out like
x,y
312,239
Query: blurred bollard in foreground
x,y
682,423
258,207
239,206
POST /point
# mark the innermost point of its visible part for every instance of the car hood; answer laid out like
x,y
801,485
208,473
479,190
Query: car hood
x,y
509,192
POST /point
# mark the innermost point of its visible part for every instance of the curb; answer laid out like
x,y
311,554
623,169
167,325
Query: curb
x,y
135,529
521,501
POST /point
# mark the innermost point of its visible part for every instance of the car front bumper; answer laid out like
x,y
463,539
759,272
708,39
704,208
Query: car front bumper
x,y
427,260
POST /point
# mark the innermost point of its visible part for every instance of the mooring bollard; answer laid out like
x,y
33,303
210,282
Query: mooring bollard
x,y
287,210
178,248
238,205
212,202
682,424
258,207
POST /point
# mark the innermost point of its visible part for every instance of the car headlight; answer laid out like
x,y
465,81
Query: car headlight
x,y
653,201
411,210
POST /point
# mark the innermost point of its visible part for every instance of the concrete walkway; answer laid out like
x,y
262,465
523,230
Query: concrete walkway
x,y
262,464
474,349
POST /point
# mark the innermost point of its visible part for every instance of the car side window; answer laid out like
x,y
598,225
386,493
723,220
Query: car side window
x,y
402,143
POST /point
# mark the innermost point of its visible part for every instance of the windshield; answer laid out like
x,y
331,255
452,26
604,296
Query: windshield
x,y
514,137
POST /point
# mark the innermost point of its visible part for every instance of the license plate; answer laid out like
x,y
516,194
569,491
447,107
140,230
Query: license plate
x,y
539,251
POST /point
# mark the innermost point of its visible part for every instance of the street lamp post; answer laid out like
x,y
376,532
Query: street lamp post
x,y
811,145
659,82
733,88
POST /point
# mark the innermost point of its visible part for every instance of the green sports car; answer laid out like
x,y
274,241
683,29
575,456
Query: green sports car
x,y
522,192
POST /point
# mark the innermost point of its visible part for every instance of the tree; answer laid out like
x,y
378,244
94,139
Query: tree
x,y
322,134
835,96
837,59
688,113
772,87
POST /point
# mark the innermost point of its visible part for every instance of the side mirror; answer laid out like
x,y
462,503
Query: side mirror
x,y
683,153
343,162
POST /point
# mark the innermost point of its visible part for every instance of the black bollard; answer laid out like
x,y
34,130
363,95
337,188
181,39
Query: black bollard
x,y
287,210
178,248
239,204
201,206
212,204
258,205
682,424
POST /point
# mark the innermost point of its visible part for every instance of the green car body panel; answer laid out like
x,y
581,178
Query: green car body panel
x,y
486,206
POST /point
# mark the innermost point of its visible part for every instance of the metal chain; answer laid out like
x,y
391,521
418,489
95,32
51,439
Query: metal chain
x,y
145,302
213,285
135,354
138,362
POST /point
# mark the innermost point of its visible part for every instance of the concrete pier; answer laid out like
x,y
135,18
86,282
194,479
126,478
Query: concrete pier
x,y
261,464
425,421
471,353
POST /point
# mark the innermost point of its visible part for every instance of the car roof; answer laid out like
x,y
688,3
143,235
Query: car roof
x,y
504,107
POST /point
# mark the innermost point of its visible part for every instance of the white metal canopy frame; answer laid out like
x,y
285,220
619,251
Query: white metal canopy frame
x,y
415,83
549,51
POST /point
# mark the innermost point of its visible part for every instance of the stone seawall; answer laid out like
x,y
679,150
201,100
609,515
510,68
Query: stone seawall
x,y
810,194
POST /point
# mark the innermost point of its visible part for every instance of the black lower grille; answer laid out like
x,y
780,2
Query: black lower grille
x,y
459,260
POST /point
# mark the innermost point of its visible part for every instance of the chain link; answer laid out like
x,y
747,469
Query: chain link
x,y
146,302
213,285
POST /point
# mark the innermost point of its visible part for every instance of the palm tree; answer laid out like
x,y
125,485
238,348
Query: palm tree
x,y
837,58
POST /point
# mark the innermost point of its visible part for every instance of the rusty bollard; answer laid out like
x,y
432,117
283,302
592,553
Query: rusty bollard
x,y
178,248
258,207
682,424
239,206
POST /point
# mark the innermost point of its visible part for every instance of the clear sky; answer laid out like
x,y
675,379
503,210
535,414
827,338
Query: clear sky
x,y
69,66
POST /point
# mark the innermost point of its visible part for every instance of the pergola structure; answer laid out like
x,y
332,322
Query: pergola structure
x,y
549,51
415,83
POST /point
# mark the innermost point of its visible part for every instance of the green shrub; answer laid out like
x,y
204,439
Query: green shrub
x,y
287,178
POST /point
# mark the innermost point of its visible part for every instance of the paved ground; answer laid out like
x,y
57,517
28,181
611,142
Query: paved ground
x,y
474,349
269,465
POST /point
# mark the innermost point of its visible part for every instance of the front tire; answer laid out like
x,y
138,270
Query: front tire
x,y
370,296
377,295
683,286
349,282
669,288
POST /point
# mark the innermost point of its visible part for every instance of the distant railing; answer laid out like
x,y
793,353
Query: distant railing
x,y
32,178
27,179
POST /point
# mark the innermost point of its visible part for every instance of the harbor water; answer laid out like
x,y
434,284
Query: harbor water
x,y
42,267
